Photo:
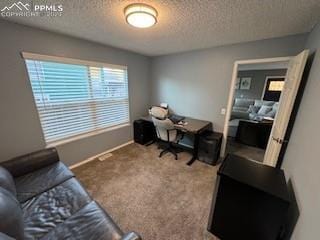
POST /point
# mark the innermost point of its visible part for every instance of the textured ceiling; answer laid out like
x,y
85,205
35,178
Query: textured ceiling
x,y
183,25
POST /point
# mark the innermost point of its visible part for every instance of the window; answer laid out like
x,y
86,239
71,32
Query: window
x,y
75,97
273,88
276,86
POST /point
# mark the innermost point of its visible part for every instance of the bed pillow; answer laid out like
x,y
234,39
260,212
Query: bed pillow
x,y
243,102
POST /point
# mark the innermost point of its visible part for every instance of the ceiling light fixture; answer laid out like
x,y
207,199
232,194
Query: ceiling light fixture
x,y
140,15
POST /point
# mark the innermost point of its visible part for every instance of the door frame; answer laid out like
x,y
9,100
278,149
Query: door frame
x,y
232,92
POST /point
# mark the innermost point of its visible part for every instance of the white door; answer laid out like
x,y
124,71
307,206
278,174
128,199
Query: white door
x,y
287,98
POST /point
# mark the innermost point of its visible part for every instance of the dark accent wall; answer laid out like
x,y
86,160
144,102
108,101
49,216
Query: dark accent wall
x,y
258,78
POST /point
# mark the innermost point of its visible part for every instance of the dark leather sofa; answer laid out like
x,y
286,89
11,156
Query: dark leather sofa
x,y
40,198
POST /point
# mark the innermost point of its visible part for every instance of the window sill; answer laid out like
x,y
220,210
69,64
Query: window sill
x,y
85,135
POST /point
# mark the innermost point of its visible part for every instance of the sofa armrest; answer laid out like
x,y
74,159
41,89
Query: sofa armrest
x,y
239,115
131,236
5,237
22,165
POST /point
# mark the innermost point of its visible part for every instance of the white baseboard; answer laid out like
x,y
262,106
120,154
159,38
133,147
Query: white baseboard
x,y
98,155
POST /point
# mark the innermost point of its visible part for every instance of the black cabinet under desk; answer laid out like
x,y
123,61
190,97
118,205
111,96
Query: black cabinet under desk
x,y
144,132
250,201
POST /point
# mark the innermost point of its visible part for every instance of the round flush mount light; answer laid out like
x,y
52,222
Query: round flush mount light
x,y
140,15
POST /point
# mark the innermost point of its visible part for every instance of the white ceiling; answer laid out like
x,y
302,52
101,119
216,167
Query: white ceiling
x,y
183,25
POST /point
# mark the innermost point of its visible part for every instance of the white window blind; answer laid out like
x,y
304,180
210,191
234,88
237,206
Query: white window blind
x,y
74,99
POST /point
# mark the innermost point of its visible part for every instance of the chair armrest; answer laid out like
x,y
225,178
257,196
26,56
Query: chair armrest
x,y
168,133
180,135
131,236
22,165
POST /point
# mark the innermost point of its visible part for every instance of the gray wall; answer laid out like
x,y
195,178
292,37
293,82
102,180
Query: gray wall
x,y
20,129
258,79
197,83
302,158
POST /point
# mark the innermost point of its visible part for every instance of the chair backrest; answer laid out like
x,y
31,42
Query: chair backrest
x,y
165,129
163,124
159,112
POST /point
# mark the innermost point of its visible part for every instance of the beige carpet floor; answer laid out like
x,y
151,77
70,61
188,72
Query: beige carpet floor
x,y
160,198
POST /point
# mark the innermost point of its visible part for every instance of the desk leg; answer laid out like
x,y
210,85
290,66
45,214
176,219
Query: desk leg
x,y
195,150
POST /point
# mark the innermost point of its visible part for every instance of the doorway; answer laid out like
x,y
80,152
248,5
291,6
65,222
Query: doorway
x,y
255,125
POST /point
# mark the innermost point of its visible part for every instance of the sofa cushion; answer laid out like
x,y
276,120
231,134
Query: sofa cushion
x,y
264,110
90,222
253,109
6,181
271,114
260,103
274,110
11,222
46,211
240,109
275,106
243,102
36,182
242,105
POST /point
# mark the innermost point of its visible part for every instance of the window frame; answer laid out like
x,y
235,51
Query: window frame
x,y
58,59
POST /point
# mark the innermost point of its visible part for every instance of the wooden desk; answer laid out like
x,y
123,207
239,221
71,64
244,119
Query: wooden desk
x,y
195,127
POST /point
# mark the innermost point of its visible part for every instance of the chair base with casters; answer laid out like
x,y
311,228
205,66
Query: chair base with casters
x,y
169,148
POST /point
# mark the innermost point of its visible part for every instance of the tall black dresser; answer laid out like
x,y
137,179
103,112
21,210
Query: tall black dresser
x,y
250,201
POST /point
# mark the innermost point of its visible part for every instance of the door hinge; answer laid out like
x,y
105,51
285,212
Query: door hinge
x,y
279,140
